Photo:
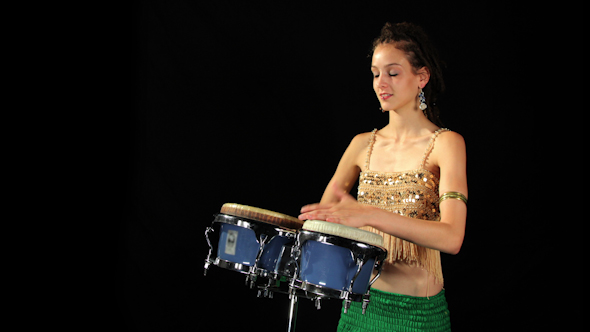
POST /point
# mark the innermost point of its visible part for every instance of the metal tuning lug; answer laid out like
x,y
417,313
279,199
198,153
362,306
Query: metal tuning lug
x,y
250,279
366,300
347,305
208,260
318,303
365,304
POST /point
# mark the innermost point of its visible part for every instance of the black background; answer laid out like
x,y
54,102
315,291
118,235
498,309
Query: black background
x,y
255,104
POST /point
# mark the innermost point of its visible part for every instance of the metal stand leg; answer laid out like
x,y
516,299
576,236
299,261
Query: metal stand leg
x,y
292,313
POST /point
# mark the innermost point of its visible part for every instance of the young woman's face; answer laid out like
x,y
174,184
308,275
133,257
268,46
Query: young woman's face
x,y
394,82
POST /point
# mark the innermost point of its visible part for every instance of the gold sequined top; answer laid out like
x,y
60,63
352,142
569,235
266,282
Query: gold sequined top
x,y
412,193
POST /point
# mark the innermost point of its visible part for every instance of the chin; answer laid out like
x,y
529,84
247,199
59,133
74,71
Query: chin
x,y
387,107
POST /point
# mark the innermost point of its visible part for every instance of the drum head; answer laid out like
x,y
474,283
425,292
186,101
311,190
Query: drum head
x,y
348,232
262,215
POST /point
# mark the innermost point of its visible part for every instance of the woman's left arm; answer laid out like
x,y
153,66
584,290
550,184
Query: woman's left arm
x,y
446,235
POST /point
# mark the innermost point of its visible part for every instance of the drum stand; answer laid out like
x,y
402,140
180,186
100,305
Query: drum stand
x,y
292,312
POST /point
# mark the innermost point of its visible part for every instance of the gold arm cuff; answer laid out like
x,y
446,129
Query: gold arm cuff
x,y
453,195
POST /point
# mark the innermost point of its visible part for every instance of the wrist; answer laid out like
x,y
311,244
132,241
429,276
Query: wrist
x,y
374,217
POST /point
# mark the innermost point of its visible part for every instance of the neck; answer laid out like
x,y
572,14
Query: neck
x,y
408,123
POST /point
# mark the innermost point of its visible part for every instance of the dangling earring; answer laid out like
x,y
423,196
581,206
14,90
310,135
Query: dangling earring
x,y
422,99
381,109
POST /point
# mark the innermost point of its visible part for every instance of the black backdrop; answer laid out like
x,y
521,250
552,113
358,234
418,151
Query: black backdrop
x,y
255,103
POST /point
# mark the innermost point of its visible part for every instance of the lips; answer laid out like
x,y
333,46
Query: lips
x,y
385,96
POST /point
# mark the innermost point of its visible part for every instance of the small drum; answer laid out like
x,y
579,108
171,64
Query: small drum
x,y
252,241
337,261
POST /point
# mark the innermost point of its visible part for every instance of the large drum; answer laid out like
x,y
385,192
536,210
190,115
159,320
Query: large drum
x,y
337,261
253,241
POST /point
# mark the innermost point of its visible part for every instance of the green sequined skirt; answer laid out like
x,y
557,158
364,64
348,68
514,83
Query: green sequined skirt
x,y
396,312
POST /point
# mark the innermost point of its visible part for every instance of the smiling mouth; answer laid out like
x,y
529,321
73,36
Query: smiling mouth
x,y
385,96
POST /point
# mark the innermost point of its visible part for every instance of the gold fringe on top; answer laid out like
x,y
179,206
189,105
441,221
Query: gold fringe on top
x,y
409,253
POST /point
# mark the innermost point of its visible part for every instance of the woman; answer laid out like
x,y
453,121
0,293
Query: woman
x,y
412,188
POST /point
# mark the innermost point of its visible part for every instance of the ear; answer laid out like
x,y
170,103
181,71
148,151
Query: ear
x,y
423,76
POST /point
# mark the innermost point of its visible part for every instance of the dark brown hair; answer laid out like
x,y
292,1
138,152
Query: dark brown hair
x,y
413,41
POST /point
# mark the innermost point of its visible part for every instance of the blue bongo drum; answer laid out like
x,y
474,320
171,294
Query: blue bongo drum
x,y
252,241
337,261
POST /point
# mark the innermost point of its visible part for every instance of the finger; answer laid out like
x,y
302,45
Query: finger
x,y
306,216
312,216
309,207
333,219
316,206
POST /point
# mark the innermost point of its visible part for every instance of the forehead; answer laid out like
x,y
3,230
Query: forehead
x,y
387,54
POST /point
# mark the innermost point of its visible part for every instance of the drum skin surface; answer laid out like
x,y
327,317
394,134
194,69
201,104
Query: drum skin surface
x,y
262,215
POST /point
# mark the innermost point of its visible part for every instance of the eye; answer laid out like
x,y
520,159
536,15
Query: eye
x,y
393,74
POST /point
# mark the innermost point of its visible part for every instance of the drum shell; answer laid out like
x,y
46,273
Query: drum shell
x,y
237,244
277,255
332,266
251,246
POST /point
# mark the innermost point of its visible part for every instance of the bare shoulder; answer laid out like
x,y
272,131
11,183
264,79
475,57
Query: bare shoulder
x,y
361,139
450,156
349,166
450,147
360,142
356,151
450,139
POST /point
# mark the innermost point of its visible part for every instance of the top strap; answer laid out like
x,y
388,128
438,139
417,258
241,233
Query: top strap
x,y
370,150
431,146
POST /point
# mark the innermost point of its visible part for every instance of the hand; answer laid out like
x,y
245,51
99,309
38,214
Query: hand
x,y
347,211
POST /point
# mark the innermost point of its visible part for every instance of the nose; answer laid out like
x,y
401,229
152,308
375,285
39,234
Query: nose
x,y
381,82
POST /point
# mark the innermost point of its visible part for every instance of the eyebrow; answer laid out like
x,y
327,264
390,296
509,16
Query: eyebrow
x,y
389,65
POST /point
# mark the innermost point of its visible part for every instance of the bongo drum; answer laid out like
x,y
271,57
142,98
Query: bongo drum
x,y
337,261
252,241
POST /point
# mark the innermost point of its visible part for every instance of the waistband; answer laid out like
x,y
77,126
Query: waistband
x,y
387,296
398,312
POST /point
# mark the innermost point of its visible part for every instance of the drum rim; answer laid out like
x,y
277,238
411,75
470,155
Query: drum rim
x,y
232,266
338,229
249,223
326,292
340,239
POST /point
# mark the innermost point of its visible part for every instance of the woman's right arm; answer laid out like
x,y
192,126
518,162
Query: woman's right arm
x,y
348,169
